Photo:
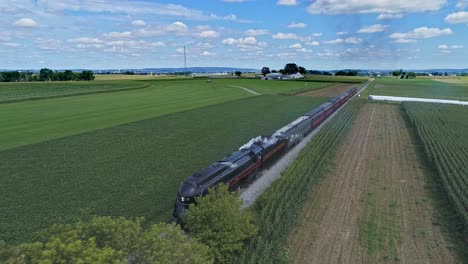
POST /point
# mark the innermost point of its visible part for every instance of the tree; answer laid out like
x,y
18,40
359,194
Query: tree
x,y
219,222
237,73
46,74
274,71
291,68
302,70
282,71
340,73
395,73
86,76
265,71
109,240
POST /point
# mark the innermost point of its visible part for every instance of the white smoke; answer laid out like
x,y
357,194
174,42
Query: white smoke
x,y
270,140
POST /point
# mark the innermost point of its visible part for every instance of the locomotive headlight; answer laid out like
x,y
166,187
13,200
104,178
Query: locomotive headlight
x,y
182,199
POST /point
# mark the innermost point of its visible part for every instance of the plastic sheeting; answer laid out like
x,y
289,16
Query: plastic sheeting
x,y
411,99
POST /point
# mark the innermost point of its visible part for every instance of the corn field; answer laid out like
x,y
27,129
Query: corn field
x,y
443,129
279,207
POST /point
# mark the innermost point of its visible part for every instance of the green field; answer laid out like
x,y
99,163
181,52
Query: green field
x,y
422,88
129,170
30,122
273,86
11,92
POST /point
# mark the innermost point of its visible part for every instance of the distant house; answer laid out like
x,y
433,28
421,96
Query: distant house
x,y
294,76
273,76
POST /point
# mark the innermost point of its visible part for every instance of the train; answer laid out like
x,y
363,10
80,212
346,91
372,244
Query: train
x,y
245,163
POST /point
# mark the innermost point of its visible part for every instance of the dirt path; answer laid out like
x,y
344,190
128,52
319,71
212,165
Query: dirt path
x,y
374,207
331,91
245,89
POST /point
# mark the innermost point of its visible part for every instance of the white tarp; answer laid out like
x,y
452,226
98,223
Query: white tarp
x,y
411,99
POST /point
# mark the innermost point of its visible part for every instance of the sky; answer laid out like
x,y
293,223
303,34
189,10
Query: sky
x,y
319,34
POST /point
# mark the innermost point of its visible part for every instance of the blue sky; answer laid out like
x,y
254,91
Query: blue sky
x,y
320,34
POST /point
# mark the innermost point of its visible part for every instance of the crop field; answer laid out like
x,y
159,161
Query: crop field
x,y
278,208
422,88
23,91
374,206
274,86
337,79
111,77
30,122
130,170
331,91
443,131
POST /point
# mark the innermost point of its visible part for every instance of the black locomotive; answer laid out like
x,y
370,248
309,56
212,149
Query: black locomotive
x,y
246,162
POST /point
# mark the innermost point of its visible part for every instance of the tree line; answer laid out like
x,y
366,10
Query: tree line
x,y
46,75
289,68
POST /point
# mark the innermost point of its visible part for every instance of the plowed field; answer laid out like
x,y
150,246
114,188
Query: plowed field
x,y
374,207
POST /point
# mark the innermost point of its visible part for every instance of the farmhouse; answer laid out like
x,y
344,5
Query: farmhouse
x,y
294,76
273,76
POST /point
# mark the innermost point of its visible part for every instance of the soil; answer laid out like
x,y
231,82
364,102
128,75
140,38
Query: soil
x,y
374,207
331,91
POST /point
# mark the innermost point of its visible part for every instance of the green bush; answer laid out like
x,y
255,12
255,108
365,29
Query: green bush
x,y
219,222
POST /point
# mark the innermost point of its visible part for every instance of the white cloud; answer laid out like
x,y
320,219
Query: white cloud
x,y
389,16
241,41
10,44
256,32
443,47
25,22
351,40
304,50
284,36
373,6
287,2
125,34
297,25
176,27
458,17
446,47
422,32
296,46
373,29
341,33
124,7
404,41
263,44
312,43
317,34
456,46
138,23
231,17
207,54
86,40
446,51
462,3
207,34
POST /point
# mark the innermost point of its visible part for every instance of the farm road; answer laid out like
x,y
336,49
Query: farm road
x,y
374,207
246,89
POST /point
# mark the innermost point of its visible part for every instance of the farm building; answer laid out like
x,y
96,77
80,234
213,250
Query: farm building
x,y
273,76
294,76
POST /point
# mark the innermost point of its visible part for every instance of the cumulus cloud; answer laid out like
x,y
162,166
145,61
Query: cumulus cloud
x,y
296,46
462,3
138,23
207,34
373,29
446,47
207,54
457,17
25,22
351,40
287,2
284,36
297,25
256,32
443,47
341,33
404,41
240,41
456,46
9,45
389,16
312,43
86,40
125,7
422,32
372,6
304,50
125,34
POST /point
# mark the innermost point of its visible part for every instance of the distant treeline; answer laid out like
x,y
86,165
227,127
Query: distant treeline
x,y
46,75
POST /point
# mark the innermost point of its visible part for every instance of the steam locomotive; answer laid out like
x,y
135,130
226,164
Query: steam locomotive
x,y
246,162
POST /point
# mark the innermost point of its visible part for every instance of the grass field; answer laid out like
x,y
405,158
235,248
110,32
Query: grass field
x,y
10,92
132,170
423,88
109,77
30,122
